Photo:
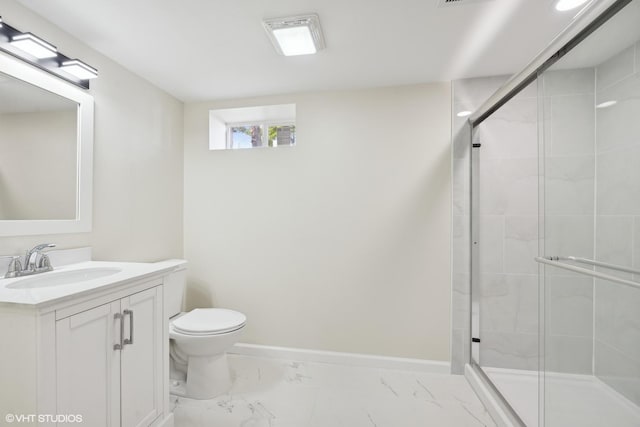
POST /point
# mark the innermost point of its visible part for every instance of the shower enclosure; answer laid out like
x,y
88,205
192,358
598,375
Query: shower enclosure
x,y
547,228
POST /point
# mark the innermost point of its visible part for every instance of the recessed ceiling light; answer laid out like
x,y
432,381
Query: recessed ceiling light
x,y
463,113
563,5
34,46
79,69
606,104
296,35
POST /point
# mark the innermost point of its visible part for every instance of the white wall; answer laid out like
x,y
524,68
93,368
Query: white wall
x,y
339,243
137,194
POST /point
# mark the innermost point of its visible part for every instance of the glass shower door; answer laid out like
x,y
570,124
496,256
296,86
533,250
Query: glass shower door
x,y
505,235
591,211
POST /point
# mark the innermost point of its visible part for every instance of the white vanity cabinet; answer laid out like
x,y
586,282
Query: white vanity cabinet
x,y
98,349
109,361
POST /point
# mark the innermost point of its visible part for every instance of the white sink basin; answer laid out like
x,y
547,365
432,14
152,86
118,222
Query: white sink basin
x,y
61,278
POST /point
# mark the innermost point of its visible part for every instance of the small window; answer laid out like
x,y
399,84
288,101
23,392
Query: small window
x,y
244,136
280,135
252,127
253,135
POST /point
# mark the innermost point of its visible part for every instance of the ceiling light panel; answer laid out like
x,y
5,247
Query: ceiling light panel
x,y
296,35
563,5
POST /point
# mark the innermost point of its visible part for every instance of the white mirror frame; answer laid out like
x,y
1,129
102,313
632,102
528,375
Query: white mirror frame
x,y
84,181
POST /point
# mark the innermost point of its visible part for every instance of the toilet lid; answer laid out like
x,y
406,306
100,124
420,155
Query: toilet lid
x,y
209,321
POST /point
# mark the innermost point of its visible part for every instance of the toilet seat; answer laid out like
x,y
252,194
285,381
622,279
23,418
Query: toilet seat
x,y
209,321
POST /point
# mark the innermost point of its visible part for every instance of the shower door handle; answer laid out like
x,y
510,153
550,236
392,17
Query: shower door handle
x,y
130,313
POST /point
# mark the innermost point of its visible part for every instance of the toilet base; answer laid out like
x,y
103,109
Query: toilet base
x,y
207,377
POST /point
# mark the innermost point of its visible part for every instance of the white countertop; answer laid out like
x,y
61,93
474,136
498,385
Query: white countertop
x,y
37,297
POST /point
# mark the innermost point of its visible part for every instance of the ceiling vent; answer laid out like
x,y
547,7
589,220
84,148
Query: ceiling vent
x,y
447,3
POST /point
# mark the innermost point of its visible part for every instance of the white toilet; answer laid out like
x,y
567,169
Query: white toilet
x,y
199,340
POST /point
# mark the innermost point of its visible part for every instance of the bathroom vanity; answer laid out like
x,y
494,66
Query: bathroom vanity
x,y
90,340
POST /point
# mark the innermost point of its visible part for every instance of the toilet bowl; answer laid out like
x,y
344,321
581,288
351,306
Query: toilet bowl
x,y
199,340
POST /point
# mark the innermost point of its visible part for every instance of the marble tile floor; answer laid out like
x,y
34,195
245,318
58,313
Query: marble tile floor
x,y
286,393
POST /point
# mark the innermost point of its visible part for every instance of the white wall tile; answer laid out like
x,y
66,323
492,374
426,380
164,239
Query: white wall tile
x,y
568,354
509,350
569,305
571,122
509,186
512,131
618,317
618,182
461,301
460,345
618,370
569,185
569,235
461,182
614,242
615,69
461,139
509,303
521,244
569,82
491,244
460,242
618,125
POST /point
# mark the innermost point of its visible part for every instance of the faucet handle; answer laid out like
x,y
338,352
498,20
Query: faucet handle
x,y
14,267
44,263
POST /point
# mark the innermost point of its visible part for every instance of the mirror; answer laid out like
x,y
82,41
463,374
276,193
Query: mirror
x,y
38,168
46,144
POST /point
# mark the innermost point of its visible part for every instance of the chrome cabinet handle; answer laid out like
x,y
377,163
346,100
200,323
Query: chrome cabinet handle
x,y
130,339
120,317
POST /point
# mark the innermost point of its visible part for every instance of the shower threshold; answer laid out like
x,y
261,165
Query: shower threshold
x,y
571,399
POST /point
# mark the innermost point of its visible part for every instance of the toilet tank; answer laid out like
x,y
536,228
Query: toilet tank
x,y
174,287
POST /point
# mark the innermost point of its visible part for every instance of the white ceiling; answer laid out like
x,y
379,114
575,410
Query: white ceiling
x,y
215,49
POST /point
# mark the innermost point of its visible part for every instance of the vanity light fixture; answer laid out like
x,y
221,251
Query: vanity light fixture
x,y
564,5
37,52
296,35
34,46
464,114
79,69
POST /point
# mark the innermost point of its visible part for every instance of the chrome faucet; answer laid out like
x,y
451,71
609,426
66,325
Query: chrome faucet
x,y
35,261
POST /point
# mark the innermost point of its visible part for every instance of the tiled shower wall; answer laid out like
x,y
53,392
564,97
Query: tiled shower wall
x,y
509,184
592,172
508,214
617,308
468,95
569,174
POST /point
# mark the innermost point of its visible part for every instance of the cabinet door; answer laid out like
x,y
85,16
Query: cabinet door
x,y
141,360
88,366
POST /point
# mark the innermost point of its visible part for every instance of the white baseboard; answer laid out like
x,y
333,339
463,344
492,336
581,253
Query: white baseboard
x,y
350,359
